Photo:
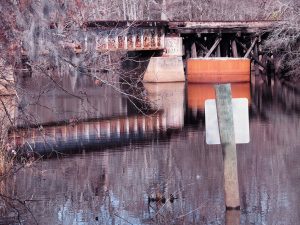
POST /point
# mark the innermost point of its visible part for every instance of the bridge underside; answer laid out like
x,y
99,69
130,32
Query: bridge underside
x,y
224,39
149,35
198,39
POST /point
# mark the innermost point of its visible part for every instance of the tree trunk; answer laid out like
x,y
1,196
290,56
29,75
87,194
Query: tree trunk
x,y
163,15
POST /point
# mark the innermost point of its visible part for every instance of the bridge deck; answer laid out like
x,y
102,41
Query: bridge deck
x,y
150,35
190,26
222,26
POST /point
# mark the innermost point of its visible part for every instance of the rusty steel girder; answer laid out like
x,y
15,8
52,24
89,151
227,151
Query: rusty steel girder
x,y
131,39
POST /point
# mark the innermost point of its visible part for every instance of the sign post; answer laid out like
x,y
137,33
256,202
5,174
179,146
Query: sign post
x,y
227,137
227,123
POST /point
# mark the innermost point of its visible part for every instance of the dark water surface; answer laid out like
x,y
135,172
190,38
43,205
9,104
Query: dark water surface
x,y
126,157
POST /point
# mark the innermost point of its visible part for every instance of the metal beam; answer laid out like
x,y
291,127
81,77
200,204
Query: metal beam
x,y
217,42
252,55
203,47
251,47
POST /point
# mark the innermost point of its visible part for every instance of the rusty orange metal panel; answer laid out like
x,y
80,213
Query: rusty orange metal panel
x,y
121,42
198,93
160,33
153,45
147,39
101,41
112,41
211,70
130,44
138,39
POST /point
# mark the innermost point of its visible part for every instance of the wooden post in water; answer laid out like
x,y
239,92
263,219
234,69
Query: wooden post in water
x,y
255,50
234,49
194,50
218,51
227,137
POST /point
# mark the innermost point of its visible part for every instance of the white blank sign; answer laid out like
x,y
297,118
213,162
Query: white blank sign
x,y
240,120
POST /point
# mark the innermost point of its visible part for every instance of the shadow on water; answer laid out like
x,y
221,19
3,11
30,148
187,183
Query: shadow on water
x,y
154,154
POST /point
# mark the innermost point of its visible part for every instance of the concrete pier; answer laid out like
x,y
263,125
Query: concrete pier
x,y
165,69
169,67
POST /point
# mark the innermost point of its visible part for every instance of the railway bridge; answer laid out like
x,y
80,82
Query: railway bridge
x,y
203,38
179,41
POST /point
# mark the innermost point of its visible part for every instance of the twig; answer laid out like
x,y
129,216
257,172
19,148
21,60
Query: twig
x,y
181,216
122,218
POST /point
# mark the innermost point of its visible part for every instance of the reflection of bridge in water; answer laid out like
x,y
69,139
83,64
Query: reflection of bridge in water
x,y
174,104
92,125
78,135
198,93
166,100
102,181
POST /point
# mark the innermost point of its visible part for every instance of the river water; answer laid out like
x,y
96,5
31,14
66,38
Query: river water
x,y
115,157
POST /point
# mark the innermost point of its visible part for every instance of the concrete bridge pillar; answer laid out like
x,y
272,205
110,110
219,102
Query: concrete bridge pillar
x,y
169,67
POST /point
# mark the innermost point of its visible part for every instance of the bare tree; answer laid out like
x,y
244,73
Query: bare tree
x,y
284,41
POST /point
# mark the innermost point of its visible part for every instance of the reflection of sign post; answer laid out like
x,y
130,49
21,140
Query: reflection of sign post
x,y
223,115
